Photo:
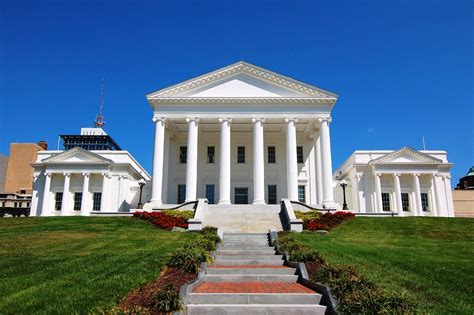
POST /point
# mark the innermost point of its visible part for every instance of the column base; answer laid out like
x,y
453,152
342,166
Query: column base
x,y
149,206
224,202
332,205
259,202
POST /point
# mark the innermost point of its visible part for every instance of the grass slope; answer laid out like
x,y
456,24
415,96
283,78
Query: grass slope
x,y
77,264
429,259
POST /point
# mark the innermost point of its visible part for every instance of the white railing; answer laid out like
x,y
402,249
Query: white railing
x,y
289,218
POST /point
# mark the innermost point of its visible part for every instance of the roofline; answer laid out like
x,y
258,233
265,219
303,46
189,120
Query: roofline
x,y
332,94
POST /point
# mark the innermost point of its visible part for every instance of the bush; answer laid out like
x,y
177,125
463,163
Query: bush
x,y
307,215
189,258
209,229
297,251
327,220
210,233
126,310
357,294
204,243
167,300
162,219
184,214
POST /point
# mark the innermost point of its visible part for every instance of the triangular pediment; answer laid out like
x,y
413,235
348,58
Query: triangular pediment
x,y
406,156
242,80
76,155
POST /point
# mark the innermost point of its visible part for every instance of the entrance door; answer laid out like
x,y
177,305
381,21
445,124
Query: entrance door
x,y
241,195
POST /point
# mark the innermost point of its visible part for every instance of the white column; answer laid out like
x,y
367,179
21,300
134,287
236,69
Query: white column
x,y
46,207
104,195
65,202
191,161
440,211
357,200
326,165
416,186
449,196
34,197
378,193
398,194
319,175
291,162
224,166
158,157
85,195
258,162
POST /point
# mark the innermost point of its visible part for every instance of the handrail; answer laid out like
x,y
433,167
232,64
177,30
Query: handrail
x,y
179,206
308,206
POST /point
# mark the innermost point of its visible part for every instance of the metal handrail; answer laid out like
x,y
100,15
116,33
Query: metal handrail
x,y
309,207
181,205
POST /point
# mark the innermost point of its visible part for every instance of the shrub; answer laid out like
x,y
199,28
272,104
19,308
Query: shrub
x,y
189,258
162,219
209,229
307,215
204,243
126,310
327,220
298,252
167,300
210,233
185,214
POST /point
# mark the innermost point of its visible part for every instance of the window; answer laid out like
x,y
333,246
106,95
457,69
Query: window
x,y
183,154
405,202
77,201
210,194
15,205
424,202
301,193
211,155
299,154
181,193
241,195
58,200
22,191
385,201
271,155
272,194
27,204
96,198
3,204
240,155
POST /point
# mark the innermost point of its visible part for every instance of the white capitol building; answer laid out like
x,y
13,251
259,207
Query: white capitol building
x,y
243,135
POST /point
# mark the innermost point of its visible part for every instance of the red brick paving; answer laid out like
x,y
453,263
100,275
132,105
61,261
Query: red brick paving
x,y
252,287
249,266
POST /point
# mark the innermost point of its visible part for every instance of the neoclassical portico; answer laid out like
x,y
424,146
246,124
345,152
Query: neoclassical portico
x,y
243,128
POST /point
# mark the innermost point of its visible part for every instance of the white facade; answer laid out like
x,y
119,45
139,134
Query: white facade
x,y
242,112
405,181
78,182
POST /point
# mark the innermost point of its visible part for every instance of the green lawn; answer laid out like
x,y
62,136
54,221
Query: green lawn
x,y
77,264
429,259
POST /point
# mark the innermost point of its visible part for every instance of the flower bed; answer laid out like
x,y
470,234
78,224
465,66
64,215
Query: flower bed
x,y
167,219
313,220
162,295
355,294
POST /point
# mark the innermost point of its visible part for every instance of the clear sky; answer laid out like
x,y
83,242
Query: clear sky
x,y
402,69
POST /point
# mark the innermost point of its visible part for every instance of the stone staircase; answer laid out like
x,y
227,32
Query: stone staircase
x,y
243,218
248,277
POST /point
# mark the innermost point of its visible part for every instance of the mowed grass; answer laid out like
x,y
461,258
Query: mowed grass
x,y
428,259
73,265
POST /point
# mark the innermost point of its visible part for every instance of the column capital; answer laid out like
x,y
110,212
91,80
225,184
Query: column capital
x,y
291,119
86,174
191,119
48,174
377,174
325,119
396,174
416,174
159,119
225,119
359,176
258,119
447,177
106,174
67,174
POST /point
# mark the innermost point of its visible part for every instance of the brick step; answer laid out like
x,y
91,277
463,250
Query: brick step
x,y
233,262
252,256
254,298
251,271
250,278
252,287
260,251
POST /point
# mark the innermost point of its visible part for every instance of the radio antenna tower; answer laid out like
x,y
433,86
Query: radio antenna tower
x,y
99,119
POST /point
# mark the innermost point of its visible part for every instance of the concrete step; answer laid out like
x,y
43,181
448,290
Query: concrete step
x,y
245,234
249,256
254,298
251,271
251,278
246,243
240,262
244,247
281,309
258,251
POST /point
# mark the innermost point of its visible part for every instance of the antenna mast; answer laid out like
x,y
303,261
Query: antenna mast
x,y
99,119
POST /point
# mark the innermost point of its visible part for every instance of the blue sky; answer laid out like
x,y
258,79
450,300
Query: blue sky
x,y
402,69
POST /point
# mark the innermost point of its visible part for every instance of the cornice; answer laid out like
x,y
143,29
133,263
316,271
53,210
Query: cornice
x,y
244,100
243,68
